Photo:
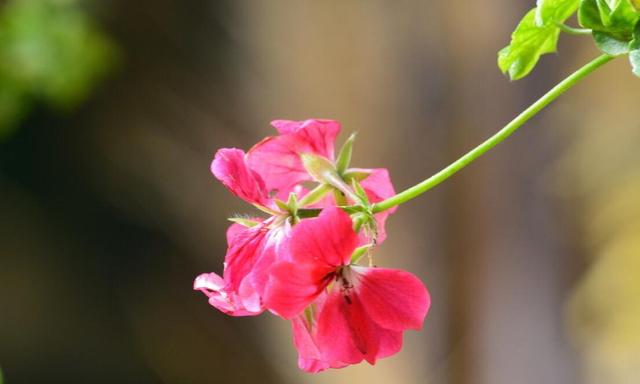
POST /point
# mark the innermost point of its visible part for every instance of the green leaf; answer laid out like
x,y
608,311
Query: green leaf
x,y
589,15
609,44
634,55
616,19
623,17
528,42
612,22
554,11
634,58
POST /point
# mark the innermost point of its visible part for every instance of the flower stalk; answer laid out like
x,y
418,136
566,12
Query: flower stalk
x,y
511,127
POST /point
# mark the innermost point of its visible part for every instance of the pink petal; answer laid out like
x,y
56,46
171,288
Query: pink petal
x,y
378,187
309,356
234,229
277,159
230,167
394,299
327,239
244,251
213,286
293,286
336,335
346,333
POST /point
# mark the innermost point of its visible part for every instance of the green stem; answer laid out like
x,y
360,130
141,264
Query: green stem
x,y
573,31
505,132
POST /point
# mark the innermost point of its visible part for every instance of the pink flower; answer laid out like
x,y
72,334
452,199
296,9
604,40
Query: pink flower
x,y
253,177
250,254
277,158
365,309
230,167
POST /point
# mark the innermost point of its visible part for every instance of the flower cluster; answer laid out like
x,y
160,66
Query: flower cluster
x,y
300,262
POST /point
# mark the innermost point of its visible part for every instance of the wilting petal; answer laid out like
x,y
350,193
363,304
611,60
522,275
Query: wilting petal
x,y
293,286
328,239
213,286
277,159
230,167
394,299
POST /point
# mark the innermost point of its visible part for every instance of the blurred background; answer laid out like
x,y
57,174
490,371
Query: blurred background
x,y
110,112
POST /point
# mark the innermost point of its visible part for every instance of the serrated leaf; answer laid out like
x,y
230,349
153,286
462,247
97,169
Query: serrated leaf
x,y
554,11
528,42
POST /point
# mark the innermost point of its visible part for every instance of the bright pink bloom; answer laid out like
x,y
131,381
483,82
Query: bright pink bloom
x,y
277,158
251,251
250,254
230,167
365,310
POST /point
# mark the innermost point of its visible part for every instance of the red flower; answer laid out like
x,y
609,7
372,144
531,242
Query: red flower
x,y
365,309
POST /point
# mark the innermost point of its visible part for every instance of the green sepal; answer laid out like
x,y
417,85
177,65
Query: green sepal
x,y
355,174
319,167
315,195
340,197
360,192
305,213
282,205
344,156
292,204
359,252
266,210
244,221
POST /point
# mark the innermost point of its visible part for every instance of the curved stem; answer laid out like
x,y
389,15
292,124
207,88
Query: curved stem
x,y
573,31
505,132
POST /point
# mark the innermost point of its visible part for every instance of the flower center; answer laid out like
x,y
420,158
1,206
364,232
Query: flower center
x,y
344,279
